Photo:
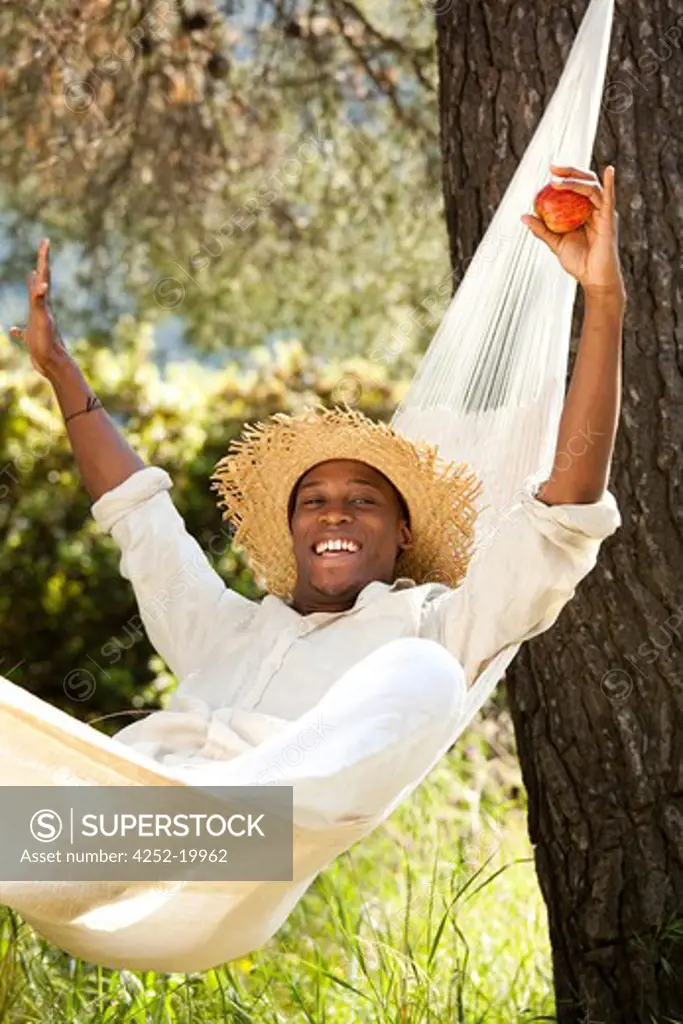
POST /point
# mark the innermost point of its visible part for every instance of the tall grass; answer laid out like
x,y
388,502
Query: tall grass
x,y
436,917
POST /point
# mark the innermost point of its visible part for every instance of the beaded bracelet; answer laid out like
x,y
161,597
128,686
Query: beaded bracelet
x,y
92,403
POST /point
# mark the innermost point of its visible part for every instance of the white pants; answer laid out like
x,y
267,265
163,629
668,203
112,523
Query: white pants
x,y
380,729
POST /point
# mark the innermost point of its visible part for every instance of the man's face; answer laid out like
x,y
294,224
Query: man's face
x,y
344,500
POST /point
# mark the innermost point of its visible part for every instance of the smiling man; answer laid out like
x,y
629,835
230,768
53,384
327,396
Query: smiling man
x,y
349,678
349,525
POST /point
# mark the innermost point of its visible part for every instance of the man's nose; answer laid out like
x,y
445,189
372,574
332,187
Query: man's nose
x,y
335,515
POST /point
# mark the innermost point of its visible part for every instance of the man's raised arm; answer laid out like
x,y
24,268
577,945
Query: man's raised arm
x,y
591,410
104,457
184,604
538,557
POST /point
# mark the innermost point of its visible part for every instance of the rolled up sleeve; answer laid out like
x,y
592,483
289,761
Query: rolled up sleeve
x,y
518,584
182,600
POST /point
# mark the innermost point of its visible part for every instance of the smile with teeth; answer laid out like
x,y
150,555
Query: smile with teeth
x,y
336,548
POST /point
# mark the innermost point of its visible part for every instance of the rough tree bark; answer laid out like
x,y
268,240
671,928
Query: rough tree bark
x,y
598,701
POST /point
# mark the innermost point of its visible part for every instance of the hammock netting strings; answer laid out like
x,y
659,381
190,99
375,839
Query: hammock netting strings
x,y
489,392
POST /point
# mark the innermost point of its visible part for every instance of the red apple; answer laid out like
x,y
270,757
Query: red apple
x,y
562,210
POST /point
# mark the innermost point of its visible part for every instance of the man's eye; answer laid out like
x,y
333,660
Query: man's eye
x,y
313,501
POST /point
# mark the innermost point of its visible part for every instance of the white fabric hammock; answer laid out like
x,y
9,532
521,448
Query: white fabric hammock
x,y
489,392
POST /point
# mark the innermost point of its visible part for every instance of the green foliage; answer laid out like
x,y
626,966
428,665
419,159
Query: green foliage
x,y
68,619
103,100
335,238
297,146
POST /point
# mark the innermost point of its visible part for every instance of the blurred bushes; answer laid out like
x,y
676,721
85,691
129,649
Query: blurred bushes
x,y
69,621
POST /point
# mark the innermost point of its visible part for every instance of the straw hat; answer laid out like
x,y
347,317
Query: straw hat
x,y
256,478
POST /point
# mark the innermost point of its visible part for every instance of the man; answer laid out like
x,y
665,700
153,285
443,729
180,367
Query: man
x,y
347,680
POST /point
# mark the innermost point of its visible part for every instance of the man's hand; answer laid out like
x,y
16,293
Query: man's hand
x,y
40,336
591,253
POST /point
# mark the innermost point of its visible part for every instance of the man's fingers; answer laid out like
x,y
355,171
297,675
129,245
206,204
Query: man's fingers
x,y
592,191
17,333
44,261
541,230
37,289
608,184
574,172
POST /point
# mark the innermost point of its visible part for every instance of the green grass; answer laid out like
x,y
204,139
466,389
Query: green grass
x,y
436,917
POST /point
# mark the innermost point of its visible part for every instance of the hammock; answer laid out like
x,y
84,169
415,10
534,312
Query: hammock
x,y
489,391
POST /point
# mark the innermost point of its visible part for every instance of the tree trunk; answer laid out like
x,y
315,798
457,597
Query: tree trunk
x,y
598,701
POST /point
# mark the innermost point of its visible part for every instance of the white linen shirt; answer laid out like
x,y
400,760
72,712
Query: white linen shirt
x,y
263,656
